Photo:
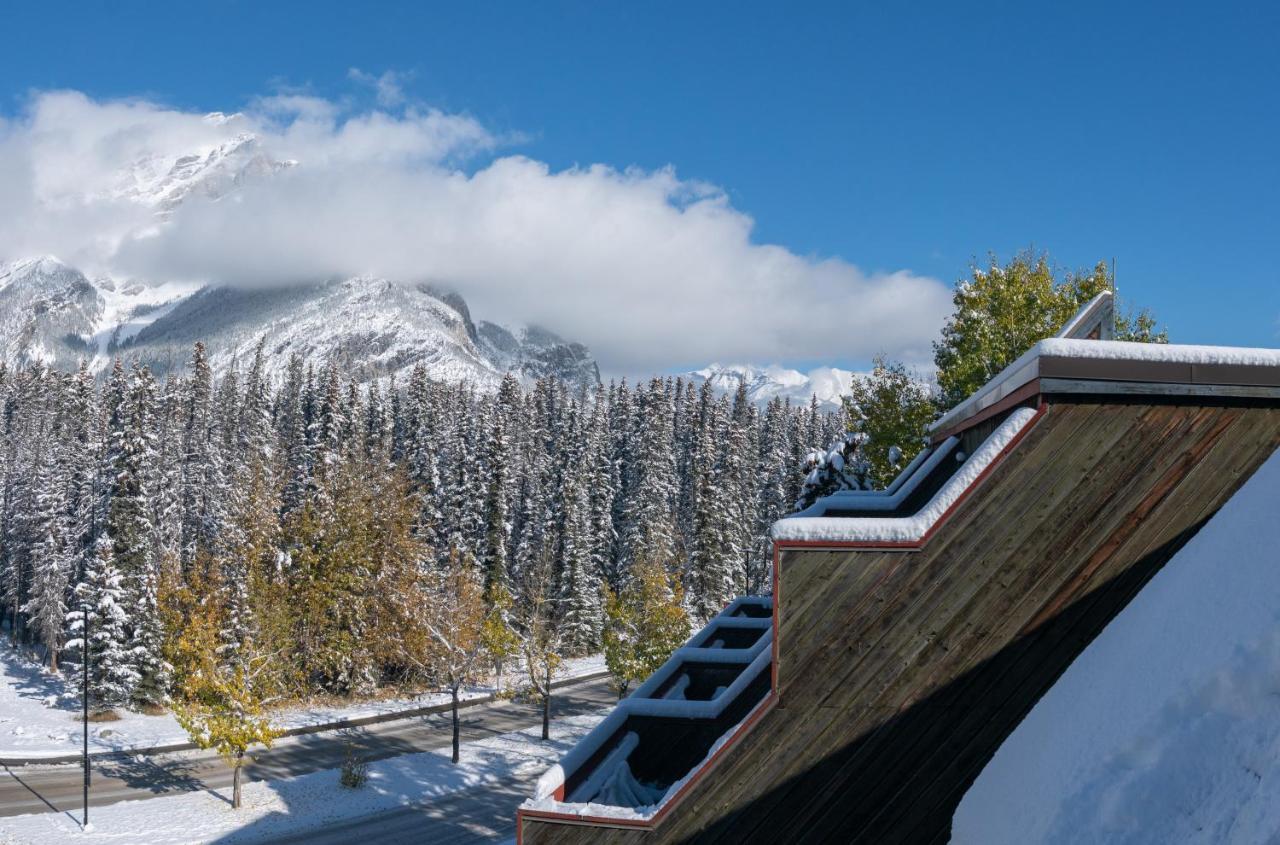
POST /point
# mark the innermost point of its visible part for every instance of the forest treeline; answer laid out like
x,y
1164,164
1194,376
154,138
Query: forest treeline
x,y
308,517
260,537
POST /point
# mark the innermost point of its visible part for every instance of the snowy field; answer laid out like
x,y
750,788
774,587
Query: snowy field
x,y
40,711
1167,728
294,805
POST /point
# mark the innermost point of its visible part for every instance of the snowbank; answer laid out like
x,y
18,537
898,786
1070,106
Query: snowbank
x,y
40,716
293,805
40,713
1167,727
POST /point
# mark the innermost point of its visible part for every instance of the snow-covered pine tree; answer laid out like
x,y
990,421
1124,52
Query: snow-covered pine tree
x,y
649,511
499,468
203,491
291,438
463,493
351,432
709,575
24,422
29,415
81,454
687,410
52,555
377,432
423,421
602,477
621,431
774,495
325,429
134,543
533,537
112,675
738,479
226,416
578,580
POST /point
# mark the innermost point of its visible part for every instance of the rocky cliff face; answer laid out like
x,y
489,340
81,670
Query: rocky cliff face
x,y
51,313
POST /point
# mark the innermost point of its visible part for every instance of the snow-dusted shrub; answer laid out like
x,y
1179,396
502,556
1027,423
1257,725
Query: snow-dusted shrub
x,y
355,769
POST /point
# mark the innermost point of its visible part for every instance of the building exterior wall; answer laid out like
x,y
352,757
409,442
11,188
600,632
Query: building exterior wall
x,y
898,674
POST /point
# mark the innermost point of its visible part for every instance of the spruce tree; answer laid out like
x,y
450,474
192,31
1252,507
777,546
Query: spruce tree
x,y
649,511
112,673
499,469
52,561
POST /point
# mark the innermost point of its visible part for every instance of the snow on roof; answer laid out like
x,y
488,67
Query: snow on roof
x,y
892,497
1027,368
911,528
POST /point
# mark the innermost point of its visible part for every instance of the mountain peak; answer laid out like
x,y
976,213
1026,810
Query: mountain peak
x,y
763,383
370,326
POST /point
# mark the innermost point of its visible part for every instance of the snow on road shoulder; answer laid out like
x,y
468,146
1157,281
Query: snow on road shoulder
x,y
40,716
1167,727
40,711
293,805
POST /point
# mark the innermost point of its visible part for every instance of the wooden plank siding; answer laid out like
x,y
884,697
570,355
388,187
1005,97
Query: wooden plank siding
x,y
899,673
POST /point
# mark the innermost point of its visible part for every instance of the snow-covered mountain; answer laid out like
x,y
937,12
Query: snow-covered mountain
x,y
163,179
54,314
828,384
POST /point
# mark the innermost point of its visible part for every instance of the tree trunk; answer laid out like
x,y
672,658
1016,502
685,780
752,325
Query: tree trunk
x,y
546,706
235,781
498,689
456,729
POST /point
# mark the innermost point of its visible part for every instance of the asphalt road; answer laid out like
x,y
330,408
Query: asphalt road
x,y
458,818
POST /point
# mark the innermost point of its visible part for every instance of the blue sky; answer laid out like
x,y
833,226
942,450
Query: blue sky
x,y
895,137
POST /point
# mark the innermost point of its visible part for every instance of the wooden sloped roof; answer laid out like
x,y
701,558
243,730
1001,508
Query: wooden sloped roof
x,y
899,672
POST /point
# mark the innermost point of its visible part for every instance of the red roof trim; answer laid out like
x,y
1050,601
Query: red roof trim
x,y
1017,397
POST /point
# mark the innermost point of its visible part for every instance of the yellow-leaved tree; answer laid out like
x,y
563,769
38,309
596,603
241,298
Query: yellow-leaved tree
x,y
443,636
539,620
644,623
501,642
224,711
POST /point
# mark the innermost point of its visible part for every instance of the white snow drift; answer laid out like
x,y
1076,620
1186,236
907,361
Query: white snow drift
x,y
1167,727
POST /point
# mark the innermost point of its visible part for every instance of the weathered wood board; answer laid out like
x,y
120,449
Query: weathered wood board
x,y
901,673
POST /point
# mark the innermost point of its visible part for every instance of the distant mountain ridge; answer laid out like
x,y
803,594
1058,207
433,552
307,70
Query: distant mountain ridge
x,y
828,384
53,314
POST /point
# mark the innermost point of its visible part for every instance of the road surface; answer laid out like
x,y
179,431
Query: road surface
x,y
456,818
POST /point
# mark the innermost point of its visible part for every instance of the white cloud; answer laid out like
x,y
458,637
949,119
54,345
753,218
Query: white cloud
x,y
387,87
646,268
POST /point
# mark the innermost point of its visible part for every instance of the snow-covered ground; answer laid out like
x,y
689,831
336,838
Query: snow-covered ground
x,y
294,805
1167,728
40,711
